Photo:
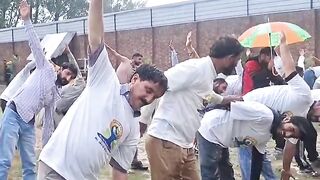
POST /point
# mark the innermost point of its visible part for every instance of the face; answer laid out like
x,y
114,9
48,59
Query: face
x,y
143,92
65,76
264,59
137,61
289,130
220,88
314,113
230,62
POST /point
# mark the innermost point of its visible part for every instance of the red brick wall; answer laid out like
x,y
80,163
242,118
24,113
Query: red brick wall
x,y
152,43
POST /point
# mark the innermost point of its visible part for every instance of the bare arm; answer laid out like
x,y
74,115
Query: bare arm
x,y
288,62
95,24
191,51
122,58
117,175
288,153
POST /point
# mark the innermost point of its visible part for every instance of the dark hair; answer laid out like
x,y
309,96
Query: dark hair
x,y
303,125
220,81
60,59
71,67
136,55
149,72
226,46
267,51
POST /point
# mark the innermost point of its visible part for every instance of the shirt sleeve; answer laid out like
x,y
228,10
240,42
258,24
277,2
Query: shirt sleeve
x,y
100,71
174,58
300,90
48,124
35,46
247,82
184,75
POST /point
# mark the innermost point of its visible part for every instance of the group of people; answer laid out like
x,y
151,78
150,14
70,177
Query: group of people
x,y
90,123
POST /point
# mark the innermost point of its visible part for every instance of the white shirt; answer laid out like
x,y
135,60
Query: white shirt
x,y
294,97
315,93
316,70
247,123
77,149
177,119
17,81
301,62
234,85
278,65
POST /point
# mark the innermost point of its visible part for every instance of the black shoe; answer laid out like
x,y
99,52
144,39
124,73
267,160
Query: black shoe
x,y
137,165
316,163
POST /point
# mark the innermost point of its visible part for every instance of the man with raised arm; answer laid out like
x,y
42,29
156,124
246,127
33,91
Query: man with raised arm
x,y
100,127
294,97
41,90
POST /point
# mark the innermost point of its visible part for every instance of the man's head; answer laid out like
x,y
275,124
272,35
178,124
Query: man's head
x,y
147,84
291,127
265,56
220,85
226,51
137,59
66,73
314,112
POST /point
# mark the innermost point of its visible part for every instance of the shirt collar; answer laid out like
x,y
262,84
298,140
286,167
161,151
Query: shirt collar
x,y
124,91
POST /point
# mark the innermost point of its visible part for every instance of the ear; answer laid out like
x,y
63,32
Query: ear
x,y
135,78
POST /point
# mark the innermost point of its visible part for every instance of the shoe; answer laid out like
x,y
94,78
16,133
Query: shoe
x,y
308,170
137,165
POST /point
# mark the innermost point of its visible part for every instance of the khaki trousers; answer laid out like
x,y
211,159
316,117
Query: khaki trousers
x,y
169,161
47,173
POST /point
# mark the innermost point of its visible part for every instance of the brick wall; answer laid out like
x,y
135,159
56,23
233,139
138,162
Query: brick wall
x,y
153,42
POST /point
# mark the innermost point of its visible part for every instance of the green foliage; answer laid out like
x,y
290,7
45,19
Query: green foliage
x,y
122,5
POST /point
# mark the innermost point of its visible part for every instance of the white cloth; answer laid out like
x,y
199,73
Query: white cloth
x,y
278,65
301,62
247,123
17,81
148,111
294,97
315,94
316,70
98,125
177,119
234,85
174,58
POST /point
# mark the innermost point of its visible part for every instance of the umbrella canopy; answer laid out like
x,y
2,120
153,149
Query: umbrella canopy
x,y
268,34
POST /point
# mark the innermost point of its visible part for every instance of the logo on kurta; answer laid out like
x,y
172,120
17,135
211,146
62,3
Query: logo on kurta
x,y
109,138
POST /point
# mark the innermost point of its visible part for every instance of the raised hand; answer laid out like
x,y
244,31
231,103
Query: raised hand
x,y
24,10
189,41
301,52
171,46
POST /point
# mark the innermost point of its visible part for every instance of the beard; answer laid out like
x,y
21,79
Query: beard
x,y
61,81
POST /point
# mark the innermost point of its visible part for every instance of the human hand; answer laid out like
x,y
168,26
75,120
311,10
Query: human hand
x,y
171,46
24,10
286,175
189,41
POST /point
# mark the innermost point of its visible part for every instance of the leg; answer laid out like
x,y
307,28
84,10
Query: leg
x,y
245,162
165,159
225,167
210,154
311,144
47,173
309,77
9,135
190,170
3,104
267,171
26,145
136,164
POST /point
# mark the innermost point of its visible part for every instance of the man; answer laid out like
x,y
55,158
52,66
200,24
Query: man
x,y
280,99
100,126
244,124
172,130
311,76
301,59
16,83
257,72
40,90
127,67
8,71
220,85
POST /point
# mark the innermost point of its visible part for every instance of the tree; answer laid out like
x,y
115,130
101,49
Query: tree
x,y
122,5
9,14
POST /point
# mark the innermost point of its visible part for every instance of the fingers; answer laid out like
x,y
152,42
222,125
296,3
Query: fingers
x,y
283,39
